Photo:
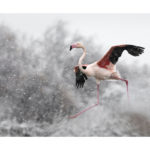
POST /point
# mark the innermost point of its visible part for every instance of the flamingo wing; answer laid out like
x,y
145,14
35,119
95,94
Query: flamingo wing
x,y
80,77
112,56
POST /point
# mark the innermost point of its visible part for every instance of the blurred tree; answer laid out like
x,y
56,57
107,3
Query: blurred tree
x,y
37,82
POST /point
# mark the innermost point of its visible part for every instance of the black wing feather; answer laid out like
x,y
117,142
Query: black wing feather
x,y
80,79
132,49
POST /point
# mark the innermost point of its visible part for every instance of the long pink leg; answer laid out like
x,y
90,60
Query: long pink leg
x,y
126,81
76,115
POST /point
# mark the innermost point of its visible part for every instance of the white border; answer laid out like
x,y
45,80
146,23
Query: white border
x,y
74,6
86,143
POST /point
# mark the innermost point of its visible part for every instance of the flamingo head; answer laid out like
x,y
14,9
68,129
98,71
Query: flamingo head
x,y
77,45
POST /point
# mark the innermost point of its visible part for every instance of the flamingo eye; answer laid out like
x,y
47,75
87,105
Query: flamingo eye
x,y
84,67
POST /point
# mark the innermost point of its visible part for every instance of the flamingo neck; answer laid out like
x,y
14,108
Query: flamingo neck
x,y
81,59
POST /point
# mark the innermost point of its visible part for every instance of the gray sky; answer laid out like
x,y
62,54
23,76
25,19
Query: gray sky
x,y
106,29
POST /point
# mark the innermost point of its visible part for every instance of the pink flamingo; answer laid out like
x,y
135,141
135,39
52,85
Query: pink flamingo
x,y
103,69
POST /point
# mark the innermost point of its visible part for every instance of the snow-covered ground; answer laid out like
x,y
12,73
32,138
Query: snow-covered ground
x,y
113,118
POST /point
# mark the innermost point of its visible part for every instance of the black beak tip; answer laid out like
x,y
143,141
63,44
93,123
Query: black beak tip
x,y
70,48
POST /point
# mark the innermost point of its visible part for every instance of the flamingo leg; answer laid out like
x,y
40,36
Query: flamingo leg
x,y
126,81
78,114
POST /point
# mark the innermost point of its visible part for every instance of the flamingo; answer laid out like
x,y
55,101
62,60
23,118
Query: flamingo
x,y
103,69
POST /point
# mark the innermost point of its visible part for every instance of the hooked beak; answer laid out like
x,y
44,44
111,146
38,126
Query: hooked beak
x,y
73,46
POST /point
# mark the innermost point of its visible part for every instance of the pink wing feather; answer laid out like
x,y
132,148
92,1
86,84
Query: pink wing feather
x,y
105,62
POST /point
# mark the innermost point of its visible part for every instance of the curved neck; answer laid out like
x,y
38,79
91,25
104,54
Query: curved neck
x,y
81,59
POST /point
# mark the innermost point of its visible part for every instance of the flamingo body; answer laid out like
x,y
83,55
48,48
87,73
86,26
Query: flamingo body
x,y
99,73
104,69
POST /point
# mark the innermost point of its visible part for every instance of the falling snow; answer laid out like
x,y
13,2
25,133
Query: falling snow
x,y
38,93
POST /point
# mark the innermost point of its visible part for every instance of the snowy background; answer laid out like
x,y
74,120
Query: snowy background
x,y
37,82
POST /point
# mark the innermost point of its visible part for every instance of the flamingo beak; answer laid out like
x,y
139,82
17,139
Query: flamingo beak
x,y
73,46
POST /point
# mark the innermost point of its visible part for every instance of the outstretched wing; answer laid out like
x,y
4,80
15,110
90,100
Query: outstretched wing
x,y
112,56
80,77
